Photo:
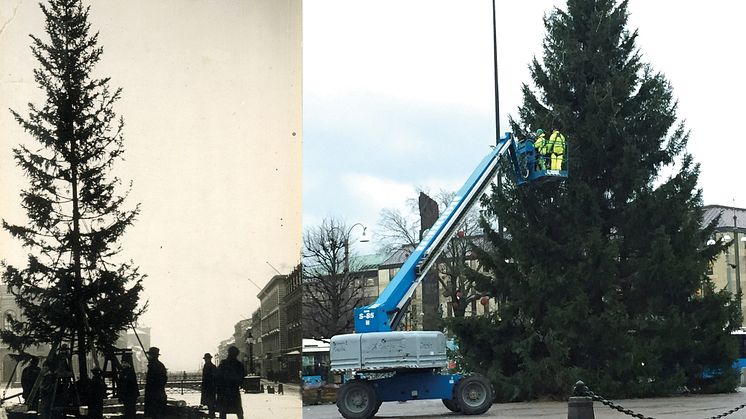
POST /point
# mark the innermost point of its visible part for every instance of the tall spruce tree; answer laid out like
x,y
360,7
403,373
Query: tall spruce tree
x,y
601,277
74,289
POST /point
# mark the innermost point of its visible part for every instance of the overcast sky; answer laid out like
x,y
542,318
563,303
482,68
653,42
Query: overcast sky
x,y
400,95
211,102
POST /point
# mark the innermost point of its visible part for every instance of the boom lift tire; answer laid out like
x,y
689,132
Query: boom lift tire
x,y
474,395
357,400
452,405
378,406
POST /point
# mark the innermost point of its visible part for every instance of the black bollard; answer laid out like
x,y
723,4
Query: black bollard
x,y
580,405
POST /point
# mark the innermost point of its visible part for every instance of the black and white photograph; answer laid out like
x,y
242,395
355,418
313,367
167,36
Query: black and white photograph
x,y
150,174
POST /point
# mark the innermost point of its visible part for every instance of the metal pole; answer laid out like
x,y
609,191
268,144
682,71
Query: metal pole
x,y
737,265
497,106
494,58
347,254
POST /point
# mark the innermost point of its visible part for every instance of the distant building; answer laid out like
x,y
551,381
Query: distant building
x,y
255,342
10,310
135,339
223,349
731,264
274,337
241,331
293,305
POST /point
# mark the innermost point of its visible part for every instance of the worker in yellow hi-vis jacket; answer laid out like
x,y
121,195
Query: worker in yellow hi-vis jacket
x,y
541,150
556,146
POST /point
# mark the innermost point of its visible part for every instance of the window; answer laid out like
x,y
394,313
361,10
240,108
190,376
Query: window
x,y
8,318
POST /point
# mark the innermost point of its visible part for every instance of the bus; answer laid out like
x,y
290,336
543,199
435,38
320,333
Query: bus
x,y
315,367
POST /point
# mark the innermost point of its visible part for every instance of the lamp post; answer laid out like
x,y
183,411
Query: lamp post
x,y
346,237
250,341
737,263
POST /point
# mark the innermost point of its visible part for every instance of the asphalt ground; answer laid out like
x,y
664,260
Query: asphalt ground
x,y
680,407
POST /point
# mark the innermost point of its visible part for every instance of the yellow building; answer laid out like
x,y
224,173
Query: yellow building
x,y
413,320
728,271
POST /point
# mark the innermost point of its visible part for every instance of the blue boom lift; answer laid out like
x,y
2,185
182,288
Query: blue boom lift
x,y
382,364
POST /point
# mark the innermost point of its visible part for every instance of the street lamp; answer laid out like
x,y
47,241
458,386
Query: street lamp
x,y
363,239
737,263
250,341
737,245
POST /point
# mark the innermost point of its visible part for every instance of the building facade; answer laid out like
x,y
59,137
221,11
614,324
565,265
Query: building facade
x,y
293,304
728,270
9,369
274,336
255,342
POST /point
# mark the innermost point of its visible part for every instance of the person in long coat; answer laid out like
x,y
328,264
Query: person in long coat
x,y
96,395
230,376
209,385
155,385
128,392
28,378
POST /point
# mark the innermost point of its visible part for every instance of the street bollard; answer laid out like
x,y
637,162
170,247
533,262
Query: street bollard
x,y
580,405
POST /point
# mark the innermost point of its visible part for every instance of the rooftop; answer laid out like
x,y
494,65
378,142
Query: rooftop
x,y
726,216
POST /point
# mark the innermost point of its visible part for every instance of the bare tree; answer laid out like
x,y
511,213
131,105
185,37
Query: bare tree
x,y
330,291
454,263
398,229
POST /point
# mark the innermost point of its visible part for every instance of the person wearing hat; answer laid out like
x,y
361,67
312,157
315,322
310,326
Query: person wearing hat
x,y
155,385
28,378
208,385
230,376
96,395
127,389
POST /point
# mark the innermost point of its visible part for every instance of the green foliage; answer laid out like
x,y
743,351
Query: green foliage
x,y
602,278
74,286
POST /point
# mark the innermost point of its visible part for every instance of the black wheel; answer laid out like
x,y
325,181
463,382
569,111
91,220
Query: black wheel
x,y
474,395
357,400
452,405
378,406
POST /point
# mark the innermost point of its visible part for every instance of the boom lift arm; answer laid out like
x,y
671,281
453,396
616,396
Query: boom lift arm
x,y
386,313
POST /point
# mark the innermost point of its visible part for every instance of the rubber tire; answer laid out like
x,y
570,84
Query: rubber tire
x,y
378,406
452,405
357,400
474,395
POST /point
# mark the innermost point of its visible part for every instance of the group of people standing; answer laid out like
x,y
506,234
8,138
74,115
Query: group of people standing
x,y
550,150
220,387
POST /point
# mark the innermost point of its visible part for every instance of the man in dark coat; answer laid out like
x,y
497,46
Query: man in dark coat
x,y
208,385
96,395
127,388
28,378
230,376
155,385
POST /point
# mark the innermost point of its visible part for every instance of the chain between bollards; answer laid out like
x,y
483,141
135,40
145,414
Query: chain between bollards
x,y
580,405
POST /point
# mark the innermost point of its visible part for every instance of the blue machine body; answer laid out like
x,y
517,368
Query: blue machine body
x,y
416,385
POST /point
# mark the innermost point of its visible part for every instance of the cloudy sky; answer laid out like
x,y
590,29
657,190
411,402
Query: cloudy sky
x,y
400,95
211,101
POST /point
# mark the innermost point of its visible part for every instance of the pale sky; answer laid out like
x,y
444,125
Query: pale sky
x,y
400,95
211,102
